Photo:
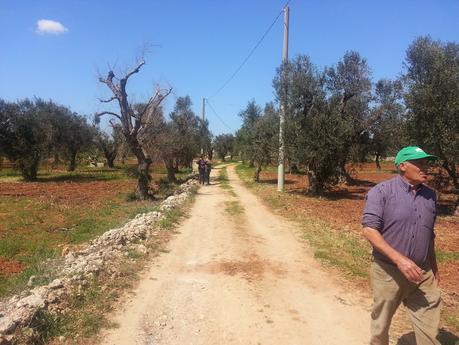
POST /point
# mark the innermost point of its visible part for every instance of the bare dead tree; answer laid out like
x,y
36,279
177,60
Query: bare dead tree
x,y
133,120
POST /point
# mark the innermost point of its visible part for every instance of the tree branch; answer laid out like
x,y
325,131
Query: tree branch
x,y
156,100
135,70
109,82
107,100
108,113
150,102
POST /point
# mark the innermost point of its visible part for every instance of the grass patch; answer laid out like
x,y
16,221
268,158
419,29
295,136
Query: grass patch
x,y
223,178
342,249
224,182
171,219
174,216
111,215
84,175
245,173
443,257
88,314
453,320
32,241
9,173
36,228
134,254
234,208
41,240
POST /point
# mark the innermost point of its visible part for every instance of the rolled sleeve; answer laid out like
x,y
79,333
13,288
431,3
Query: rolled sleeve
x,y
374,210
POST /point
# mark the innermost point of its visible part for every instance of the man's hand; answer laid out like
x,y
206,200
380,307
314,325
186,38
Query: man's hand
x,y
433,260
409,269
437,275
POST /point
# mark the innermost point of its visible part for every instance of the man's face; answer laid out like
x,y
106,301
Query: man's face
x,y
415,171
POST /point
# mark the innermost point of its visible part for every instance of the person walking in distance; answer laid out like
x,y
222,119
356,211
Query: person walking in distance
x,y
201,169
208,169
398,221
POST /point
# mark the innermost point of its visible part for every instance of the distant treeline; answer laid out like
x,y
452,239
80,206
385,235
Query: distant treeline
x,y
34,130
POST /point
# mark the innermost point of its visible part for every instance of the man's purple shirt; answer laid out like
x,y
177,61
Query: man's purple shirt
x,y
404,219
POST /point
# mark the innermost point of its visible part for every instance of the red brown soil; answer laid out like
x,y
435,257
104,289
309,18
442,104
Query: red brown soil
x,y
75,193
60,196
9,267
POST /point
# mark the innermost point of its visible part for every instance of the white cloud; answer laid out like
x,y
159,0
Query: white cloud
x,y
45,26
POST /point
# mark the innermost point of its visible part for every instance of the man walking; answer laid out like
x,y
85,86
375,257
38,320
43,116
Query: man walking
x,y
201,169
208,169
398,221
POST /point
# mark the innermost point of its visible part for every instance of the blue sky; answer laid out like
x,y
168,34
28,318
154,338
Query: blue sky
x,y
195,46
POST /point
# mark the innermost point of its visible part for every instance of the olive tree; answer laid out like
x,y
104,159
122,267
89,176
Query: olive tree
x,y
432,93
133,121
179,139
349,85
265,139
25,134
223,145
75,136
388,125
245,135
109,145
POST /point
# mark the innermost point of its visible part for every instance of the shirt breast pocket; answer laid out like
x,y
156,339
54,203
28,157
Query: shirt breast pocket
x,y
428,217
397,211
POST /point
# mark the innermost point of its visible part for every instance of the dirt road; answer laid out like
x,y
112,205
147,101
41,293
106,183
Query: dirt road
x,y
238,278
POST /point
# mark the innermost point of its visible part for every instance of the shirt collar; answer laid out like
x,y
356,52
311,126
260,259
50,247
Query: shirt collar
x,y
406,186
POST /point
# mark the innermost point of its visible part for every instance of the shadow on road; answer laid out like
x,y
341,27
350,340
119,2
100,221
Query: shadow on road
x,y
445,337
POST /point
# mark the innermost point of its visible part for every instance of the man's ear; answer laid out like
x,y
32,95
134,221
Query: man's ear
x,y
402,167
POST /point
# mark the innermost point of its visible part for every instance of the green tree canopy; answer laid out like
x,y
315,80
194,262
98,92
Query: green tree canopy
x,y
223,145
388,125
432,93
27,134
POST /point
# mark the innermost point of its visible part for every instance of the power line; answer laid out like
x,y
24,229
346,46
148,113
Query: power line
x,y
221,120
250,53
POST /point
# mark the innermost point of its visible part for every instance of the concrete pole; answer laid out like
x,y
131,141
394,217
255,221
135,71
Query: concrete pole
x,y
203,109
281,168
203,118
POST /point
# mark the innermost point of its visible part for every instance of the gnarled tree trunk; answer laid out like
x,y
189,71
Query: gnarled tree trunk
x,y
143,169
256,175
133,122
170,170
72,161
450,168
29,168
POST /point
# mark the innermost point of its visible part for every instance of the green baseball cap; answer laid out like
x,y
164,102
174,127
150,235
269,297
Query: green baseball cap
x,y
410,153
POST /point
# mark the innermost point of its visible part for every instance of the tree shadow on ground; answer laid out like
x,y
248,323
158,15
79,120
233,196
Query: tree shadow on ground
x,y
274,181
355,194
444,337
356,191
446,209
363,183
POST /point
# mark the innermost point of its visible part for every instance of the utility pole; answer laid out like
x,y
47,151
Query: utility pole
x,y
203,109
281,168
203,118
